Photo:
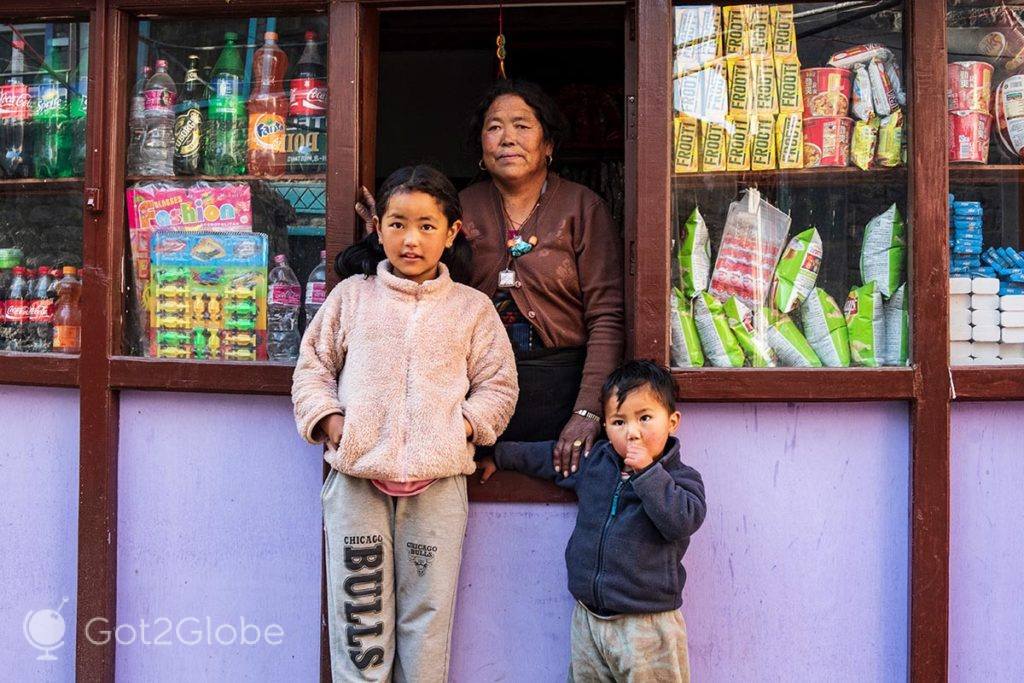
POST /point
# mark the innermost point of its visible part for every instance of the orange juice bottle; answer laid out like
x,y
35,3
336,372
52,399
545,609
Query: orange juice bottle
x,y
67,315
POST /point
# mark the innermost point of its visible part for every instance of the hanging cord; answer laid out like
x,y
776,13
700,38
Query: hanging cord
x,y
501,42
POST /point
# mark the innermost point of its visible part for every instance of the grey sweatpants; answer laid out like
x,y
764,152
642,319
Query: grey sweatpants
x,y
633,648
392,571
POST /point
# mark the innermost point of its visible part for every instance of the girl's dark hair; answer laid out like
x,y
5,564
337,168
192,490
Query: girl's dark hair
x,y
362,257
638,374
552,121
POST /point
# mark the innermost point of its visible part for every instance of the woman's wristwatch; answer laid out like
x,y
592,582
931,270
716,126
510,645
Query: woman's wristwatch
x,y
587,414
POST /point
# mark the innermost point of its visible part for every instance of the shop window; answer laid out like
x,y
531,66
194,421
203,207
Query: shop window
x,y
225,187
986,143
789,194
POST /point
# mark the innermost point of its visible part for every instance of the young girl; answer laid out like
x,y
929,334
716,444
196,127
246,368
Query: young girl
x,y
401,373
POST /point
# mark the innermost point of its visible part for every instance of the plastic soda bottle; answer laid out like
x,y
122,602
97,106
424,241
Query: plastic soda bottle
x,y
79,107
268,107
16,312
67,315
284,298
158,144
15,118
40,313
189,121
316,288
52,150
137,123
307,112
224,148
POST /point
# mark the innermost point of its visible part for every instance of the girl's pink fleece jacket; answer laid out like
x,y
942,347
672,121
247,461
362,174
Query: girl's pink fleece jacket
x,y
405,362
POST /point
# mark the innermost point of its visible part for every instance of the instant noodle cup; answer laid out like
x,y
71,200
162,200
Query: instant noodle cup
x,y
790,345
825,329
713,147
686,144
694,255
968,136
716,337
783,30
762,146
759,37
826,91
735,35
739,143
889,150
789,140
883,253
685,343
865,324
969,86
1009,116
741,85
897,328
797,270
827,141
787,74
766,89
751,330
863,143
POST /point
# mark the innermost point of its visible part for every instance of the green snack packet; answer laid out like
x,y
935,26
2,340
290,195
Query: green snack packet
x,y
719,342
695,255
797,270
897,328
883,254
865,322
789,343
685,347
751,330
825,329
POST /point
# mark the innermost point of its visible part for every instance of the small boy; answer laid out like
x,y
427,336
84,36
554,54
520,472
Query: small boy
x,y
638,506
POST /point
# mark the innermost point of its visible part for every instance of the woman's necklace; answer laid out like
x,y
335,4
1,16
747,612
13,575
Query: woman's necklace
x,y
515,243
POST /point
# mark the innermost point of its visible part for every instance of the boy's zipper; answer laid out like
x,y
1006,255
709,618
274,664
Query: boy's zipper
x,y
600,547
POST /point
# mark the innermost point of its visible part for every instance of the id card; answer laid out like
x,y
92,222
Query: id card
x,y
507,279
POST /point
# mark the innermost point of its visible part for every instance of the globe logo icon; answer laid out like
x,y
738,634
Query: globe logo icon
x,y
44,630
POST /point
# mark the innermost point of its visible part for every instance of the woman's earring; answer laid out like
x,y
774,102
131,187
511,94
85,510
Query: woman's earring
x,y
550,159
481,165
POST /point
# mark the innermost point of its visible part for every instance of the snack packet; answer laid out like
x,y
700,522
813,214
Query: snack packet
x,y
883,96
716,91
718,341
889,152
694,255
783,30
738,149
859,54
685,348
762,146
883,254
863,143
766,87
760,30
897,328
892,70
713,145
688,94
735,34
787,74
825,329
865,323
790,345
697,37
797,270
686,141
751,330
860,98
789,139
741,85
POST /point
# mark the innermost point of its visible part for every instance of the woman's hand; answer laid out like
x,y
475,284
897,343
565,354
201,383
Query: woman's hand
x,y
486,467
367,209
332,426
469,428
579,430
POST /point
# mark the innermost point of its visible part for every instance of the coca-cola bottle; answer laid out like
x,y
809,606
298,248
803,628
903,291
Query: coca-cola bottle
x,y
307,112
15,117
16,312
40,313
8,260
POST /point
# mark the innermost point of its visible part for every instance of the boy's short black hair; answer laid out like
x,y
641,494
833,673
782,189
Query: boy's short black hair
x,y
637,374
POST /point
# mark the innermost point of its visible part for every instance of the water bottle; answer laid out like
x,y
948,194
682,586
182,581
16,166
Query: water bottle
x,y
284,298
158,145
316,289
137,124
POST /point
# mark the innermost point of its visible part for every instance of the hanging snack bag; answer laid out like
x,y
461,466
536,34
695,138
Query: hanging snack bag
x,y
760,30
718,341
751,330
736,36
860,102
865,323
825,329
766,87
752,240
790,345
897,328
864,142
741,85
685,347
695,255
784,30
789,138
713,147
883,254
889,151
787,74
737,156
697,38
797,270
762,146
686,144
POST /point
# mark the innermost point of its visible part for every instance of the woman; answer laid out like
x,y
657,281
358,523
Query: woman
x,y
548,254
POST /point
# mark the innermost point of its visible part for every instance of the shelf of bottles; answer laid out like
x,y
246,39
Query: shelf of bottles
x,y
43,107
225,190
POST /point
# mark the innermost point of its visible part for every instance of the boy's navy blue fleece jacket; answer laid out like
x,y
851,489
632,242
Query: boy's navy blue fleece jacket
x,y
625,553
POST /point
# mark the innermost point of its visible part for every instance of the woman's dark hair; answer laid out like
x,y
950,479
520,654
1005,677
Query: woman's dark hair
x,y
552,121
362,257
638,374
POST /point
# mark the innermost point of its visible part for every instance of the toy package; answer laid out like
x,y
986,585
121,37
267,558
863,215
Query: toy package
x,y
208,295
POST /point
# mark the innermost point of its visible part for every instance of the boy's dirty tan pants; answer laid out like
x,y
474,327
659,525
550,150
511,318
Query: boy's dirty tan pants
x,y
392,570
633,648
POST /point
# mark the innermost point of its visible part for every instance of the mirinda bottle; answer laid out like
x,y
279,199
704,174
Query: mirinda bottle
x,y
268,107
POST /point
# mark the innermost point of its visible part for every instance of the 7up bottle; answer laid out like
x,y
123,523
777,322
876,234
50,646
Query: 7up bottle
x,y
188,122
53,140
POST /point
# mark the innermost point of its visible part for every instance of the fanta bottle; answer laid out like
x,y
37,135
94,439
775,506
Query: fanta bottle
x,y
268,107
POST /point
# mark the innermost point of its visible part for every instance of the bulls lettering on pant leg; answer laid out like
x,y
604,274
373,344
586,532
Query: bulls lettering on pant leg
x,y
364,587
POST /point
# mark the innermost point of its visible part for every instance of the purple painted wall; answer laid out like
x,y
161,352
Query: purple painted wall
x,y
38,528
986,563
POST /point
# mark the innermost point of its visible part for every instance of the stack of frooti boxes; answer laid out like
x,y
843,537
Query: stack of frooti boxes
x,y
985,328
736,89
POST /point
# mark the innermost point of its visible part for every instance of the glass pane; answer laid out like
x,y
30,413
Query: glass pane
x,y
789,186
43,105
226,163
986,121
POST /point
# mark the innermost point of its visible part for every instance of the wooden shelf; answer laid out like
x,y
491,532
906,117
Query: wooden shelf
x,y
213,376
988,382
803,177
976,174
512,487
294,177
39,369
41,185
791,384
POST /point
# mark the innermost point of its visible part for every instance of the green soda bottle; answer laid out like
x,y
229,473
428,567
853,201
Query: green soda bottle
x,y
52,118
79,106
224,149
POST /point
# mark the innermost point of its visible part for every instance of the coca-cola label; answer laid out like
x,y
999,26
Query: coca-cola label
x,y
15,102
308,97
316,292
284,295
160,100
16,311
41,311
51,98
188,132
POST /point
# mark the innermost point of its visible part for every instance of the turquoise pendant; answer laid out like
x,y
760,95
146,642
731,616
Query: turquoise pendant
x,y
518,247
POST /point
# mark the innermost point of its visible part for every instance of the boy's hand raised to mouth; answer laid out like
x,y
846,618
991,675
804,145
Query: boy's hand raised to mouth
x,y
637,458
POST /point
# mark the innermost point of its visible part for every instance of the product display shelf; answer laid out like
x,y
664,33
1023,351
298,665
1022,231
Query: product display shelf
x,y
794,384
321,177
985,174
805,177
39,369
40,185
988,383
230,377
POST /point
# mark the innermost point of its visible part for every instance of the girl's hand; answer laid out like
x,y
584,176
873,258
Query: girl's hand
x,y
486,466
333,426
637,458
567,454
367,209
468,427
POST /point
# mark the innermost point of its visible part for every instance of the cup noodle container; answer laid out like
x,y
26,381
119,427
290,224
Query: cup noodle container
x,y
826,91
968,136
1009,116
969,86
827,140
